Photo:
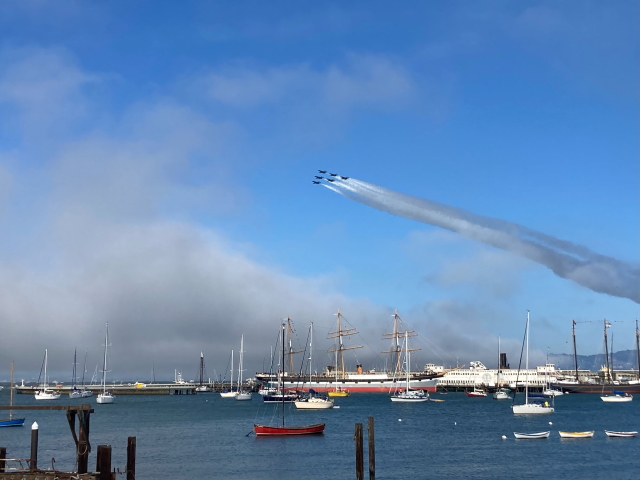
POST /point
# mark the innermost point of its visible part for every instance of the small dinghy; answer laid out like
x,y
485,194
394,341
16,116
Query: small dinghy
x,y
611,433
577,434
531,436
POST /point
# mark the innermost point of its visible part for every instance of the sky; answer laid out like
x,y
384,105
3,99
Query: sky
x,y
156,163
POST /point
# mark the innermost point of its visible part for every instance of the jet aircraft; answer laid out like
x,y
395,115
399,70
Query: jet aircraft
x,y
330,179
319,178
333,174
314,182
322,171
344,178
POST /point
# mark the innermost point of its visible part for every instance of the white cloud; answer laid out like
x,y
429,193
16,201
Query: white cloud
x,y
364,80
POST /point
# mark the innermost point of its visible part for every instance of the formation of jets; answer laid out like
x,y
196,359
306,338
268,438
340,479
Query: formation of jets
x,y
319,177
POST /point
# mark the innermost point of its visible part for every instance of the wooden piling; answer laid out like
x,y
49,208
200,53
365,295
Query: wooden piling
x,y
3,456
372,449
33,463
131,458
84,447
359,452
103,462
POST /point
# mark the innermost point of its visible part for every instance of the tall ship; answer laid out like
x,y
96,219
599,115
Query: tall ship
x,y
337,378
607,379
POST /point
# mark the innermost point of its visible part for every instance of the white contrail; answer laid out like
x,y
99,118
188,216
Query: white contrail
x,y
575,262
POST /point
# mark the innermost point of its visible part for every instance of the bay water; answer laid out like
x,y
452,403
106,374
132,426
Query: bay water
x,y
204,436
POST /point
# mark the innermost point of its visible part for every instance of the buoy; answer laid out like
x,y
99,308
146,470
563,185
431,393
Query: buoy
x,y
504,437
336,406
399,419
550,423
455,423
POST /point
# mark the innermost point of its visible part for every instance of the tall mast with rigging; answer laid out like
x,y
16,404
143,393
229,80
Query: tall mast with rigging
x,y
575,352
339,333
396,344
606,352
638,348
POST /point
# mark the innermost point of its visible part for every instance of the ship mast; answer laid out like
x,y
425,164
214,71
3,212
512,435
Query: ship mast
x,y
575,352
638,348
606,351
396,344
290,352
340,348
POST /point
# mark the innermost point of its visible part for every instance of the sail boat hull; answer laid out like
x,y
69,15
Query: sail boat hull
x,y
14,422
265,430
531,408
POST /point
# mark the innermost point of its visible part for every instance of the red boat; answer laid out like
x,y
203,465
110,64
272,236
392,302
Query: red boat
x,y
476,393
314,429
268,430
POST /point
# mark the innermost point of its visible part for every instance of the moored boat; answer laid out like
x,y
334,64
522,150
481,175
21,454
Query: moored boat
x,y
588,434
531,436
502,394
11,422
534,407
46,393
282,429
476,392
105,397
407,395
611,433
617,396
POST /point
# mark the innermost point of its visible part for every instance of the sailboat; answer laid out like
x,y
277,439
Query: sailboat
x,y
282,429
500,393
84,393
105,397
75,392
46,393
408,395
548,391
231,393
533,407
339,391
313,402
242,394
616,396
11,422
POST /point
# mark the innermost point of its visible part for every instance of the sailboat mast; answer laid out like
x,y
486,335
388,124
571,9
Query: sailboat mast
x,y
612,367
282,375
231,381
575,351
11,394
498,375
45,368
240,364
406,345
526,385
606,352
84,368
638,348
73,380
310,352
104,365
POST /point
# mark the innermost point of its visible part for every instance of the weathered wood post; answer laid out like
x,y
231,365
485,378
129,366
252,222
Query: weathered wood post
x,y
3,456
103,462
359,452
83,441
33,464
372,449
131,458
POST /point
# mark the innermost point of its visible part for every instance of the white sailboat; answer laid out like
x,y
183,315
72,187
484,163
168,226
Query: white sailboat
x,y
534,407
46,393
105,397
408,395
312,402
75,392
231,393
84,392
241,394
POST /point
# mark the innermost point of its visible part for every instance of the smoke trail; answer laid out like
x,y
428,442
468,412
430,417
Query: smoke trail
x,y
578,263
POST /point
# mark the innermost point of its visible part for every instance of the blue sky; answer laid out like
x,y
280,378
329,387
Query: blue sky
x,y
156,166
